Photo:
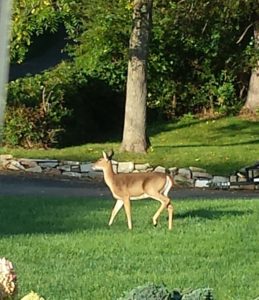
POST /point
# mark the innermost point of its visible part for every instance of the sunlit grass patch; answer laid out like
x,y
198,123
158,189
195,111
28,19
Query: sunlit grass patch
x,y
221,146
64,249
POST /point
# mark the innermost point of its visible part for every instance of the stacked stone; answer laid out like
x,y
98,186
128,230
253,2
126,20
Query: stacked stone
x,y
190,177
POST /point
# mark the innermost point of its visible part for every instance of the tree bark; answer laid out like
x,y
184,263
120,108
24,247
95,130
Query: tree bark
x,y
134,134
252,101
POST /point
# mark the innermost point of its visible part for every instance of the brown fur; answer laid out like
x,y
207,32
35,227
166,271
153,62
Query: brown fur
x,y
134,186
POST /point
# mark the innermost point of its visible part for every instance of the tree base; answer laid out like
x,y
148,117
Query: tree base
x,y
134,147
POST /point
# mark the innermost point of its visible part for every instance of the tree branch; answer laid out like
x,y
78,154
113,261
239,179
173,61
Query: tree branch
x,y
244,33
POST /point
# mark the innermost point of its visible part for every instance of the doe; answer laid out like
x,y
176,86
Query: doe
x,y
135,186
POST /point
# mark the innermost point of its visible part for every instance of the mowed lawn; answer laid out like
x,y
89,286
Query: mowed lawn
x,y
63,249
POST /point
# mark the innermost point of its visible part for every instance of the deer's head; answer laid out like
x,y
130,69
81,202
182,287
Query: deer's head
x,y
104,161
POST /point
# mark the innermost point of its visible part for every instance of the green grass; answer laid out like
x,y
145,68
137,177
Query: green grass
x,y
221,146
63,249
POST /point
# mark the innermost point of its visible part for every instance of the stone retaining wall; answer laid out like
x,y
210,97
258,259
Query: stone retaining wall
x,y
191,176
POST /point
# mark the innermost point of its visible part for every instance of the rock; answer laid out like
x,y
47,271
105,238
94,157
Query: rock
x,y
52,171
243,187
142,167
183,181
65,168
248,187
241,175
48,164
70,162
43,160
253,173
125,167
75,168
72,174
5,157
233,178
160,169
201,175
241,179
202,183
173,170
28,163
185,172
93,175
36,169
115,166
14,165
220,182
86,167
219,179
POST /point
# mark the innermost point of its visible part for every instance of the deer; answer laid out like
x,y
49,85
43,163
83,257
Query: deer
x,y
136,186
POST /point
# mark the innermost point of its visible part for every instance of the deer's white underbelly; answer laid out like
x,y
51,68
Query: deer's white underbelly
x,y
143,196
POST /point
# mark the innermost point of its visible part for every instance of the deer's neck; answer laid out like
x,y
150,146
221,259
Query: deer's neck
x,y
108,175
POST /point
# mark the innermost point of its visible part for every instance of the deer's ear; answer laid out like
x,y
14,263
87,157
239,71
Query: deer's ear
x,y
110,154
105,156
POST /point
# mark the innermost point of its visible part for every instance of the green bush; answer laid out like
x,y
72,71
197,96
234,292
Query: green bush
x,y
36,107
148,291
160,292
199,294
36,126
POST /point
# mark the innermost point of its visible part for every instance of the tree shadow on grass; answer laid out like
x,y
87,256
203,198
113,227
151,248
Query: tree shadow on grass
x,y
212,214
51,215
237,126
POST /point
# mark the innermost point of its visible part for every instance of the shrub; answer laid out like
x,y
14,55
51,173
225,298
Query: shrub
x,y
34,126
160,292
36,107
199,294
148,291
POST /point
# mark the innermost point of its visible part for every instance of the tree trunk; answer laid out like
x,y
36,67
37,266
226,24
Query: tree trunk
x,y
252,101
134,135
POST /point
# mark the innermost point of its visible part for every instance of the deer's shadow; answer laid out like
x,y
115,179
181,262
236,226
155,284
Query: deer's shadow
x,y
211,214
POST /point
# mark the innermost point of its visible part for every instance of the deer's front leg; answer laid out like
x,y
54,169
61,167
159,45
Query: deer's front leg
x,y
118,205
128,211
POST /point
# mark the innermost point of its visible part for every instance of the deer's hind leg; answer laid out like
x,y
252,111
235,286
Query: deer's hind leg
x,y
170,209
165,203
170,215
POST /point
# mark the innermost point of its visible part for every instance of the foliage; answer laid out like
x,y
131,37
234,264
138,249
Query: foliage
x,y
199,294
197,45
160,292
199,60
36,107
148,291
194,54
33,18
33,127
102,45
